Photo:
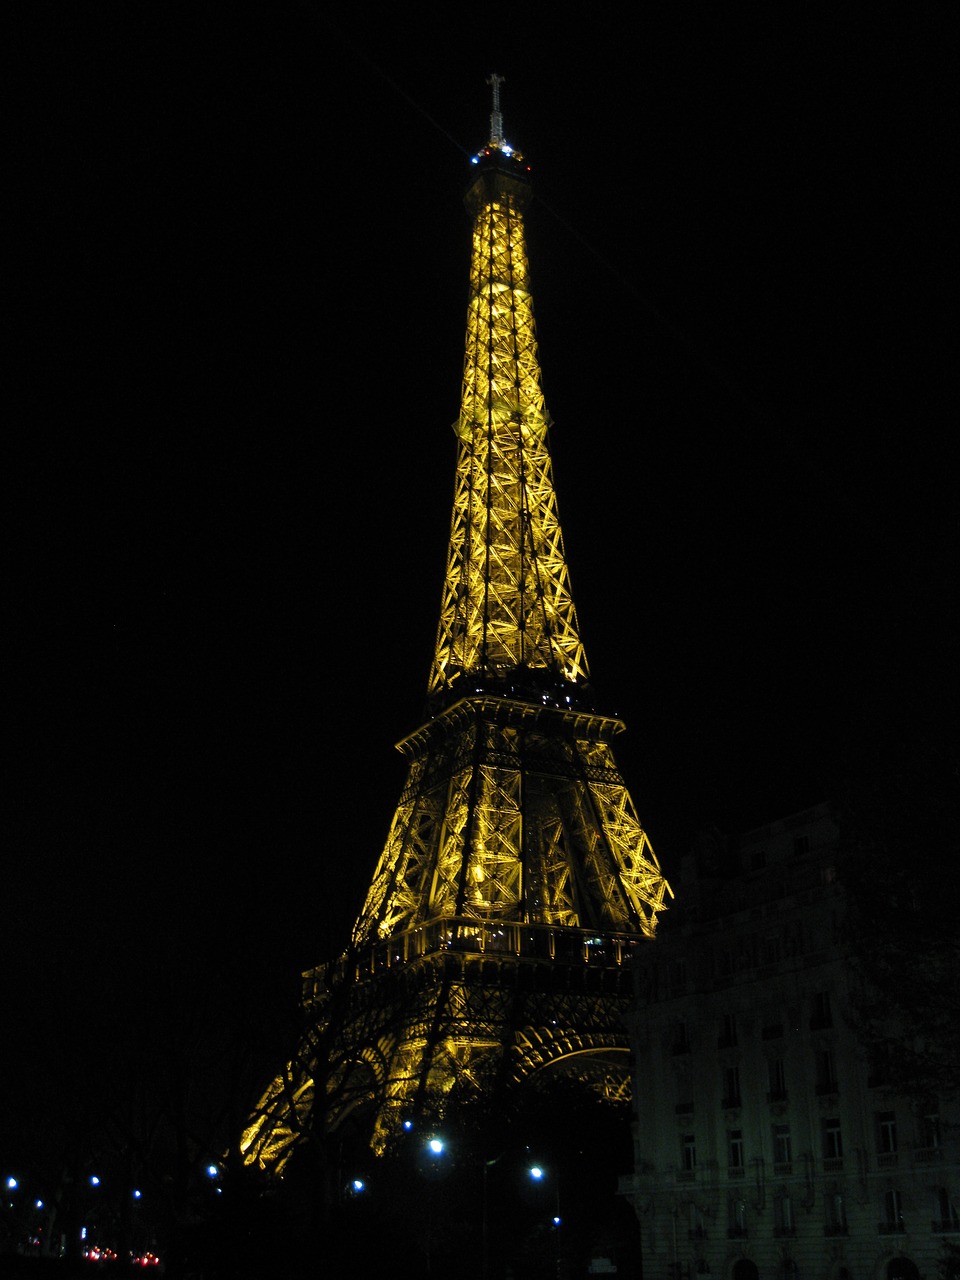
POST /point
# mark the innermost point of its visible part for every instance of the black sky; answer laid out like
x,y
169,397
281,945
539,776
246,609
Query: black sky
x,y
240,275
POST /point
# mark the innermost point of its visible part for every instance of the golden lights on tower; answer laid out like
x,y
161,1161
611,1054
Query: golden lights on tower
x,y
515,850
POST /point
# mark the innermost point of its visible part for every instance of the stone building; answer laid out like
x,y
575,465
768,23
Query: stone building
x,y
764,1146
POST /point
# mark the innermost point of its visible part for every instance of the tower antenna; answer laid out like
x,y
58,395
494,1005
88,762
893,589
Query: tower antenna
x,y
496,119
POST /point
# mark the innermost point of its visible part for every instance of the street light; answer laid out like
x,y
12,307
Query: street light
x,y
539,1174
436,1147
485,1235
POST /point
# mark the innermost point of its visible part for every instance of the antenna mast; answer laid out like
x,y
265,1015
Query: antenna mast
x,y
496,119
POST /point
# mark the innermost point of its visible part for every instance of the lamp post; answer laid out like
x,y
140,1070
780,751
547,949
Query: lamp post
x,y
485,1236
435,1149
538,1173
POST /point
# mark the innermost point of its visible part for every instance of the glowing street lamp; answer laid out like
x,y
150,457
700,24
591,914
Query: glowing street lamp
x,y
436,1148
539,1174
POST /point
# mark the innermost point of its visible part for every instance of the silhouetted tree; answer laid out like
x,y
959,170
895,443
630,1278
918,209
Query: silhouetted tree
x,y
899,815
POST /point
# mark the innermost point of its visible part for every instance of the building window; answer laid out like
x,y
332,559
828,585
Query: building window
x,y
879,1074
801,844
728,1032
832,1144
771,1020
747,953
778,1081
770,949
892,1213
886,1138
736,1219
930,1131
735,1161
836,1215
697,1229
793,938
688,1153
826,1072
681,1040
821,1015
945,1217
782,1151
731,1087
678,978
783,1224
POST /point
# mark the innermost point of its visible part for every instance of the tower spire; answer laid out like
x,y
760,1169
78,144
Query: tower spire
x,y
516,878
496,119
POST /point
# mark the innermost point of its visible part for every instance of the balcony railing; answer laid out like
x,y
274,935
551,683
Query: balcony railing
x,y
835,1229
891,1228
497,939
782,1168
928,1155
945,1225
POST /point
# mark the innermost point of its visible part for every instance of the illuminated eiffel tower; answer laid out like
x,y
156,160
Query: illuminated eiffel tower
x,y
493,948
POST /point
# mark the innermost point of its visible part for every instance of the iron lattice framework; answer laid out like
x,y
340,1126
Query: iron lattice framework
x,y
516,878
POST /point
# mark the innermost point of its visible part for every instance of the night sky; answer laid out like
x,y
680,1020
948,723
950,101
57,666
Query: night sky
x,y
239,296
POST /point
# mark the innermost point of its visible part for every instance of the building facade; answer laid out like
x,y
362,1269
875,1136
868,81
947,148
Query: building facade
x,y
765,1148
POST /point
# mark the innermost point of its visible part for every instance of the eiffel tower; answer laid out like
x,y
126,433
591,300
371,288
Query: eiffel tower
x,y
493,948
